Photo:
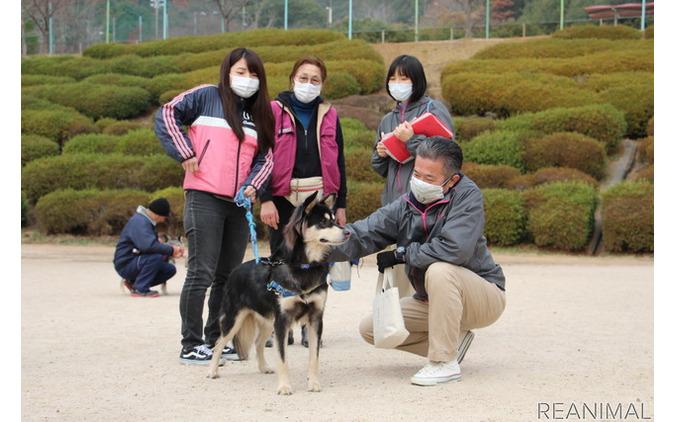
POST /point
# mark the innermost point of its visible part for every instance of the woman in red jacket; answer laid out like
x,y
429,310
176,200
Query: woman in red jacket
x,y
229,147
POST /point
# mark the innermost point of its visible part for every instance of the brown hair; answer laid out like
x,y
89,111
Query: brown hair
x,y
258,104
313,60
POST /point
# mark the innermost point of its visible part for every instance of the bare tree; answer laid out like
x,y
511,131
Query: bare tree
x,y
229,9
39,11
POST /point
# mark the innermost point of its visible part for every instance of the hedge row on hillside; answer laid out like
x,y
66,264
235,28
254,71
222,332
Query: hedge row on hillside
x,y
602,122
555,48
58,124
141,142
618,32
96,101
114,171
82,67
36,146
250,39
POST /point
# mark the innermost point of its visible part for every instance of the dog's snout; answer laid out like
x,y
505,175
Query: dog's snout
x,y
346,233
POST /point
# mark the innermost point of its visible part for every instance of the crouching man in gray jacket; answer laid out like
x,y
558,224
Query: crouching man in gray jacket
x,y
438,228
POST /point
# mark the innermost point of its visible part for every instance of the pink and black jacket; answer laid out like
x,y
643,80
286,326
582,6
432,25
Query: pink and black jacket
x,y
300,152
225,164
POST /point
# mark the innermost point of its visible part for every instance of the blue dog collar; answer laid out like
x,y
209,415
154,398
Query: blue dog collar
x,y
280,290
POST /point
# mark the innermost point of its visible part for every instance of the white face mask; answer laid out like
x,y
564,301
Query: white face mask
x,y
243,86
426,192
306,93
400,92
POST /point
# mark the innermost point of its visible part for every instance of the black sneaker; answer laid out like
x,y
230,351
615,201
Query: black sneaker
x,y
198,355
229,353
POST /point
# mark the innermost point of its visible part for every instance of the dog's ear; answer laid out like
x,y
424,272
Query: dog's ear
x,y
329,200
310,202
293,228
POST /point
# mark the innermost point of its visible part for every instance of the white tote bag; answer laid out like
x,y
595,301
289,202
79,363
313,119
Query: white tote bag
x,y
388,326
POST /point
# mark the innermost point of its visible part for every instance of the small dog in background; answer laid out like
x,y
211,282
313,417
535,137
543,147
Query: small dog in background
x,y
283,290
126,286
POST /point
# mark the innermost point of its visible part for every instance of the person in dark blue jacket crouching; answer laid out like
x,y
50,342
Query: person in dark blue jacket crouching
x,y
140,258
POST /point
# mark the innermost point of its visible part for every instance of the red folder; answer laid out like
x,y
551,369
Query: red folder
x,y
426,124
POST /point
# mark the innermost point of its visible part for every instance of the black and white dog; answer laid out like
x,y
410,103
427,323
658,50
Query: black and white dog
x,y
281,291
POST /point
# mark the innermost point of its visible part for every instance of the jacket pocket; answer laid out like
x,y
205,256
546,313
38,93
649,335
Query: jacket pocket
x,y
201,156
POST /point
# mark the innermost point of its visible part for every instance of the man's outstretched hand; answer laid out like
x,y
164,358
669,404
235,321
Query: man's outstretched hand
x,y
387,259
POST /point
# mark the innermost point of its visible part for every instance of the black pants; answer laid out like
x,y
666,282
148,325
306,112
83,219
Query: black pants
x,y
285,210
217,234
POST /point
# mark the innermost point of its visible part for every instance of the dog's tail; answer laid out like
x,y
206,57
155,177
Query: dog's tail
x,y
245,337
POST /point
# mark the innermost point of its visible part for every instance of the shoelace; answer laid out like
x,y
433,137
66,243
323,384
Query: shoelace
x,y
202,348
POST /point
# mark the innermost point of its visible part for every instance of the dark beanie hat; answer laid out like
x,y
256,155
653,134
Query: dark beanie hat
x,y
160,206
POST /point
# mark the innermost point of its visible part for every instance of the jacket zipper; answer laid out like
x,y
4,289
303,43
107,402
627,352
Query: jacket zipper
x,y
201,156
236,175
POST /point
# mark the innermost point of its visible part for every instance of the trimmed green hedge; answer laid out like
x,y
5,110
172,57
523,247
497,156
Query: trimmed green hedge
x,y
36,146
230,40
58,124
497,147
118,79
140,142
505,216
637,101
357,165
356,135
90,211
639,59
120,127
560,214
555,48
467,128
363,198
566,149
602,122
97,101
628,217
506,92
646,173
113,171
490,176
548,175
24,210
619,32
30,80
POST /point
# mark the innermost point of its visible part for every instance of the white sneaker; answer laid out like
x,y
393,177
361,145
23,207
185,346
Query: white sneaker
x,y
436,373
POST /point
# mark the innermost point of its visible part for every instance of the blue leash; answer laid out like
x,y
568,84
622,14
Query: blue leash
x,y
245,202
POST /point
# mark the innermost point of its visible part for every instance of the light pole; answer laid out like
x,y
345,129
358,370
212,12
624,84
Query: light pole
x,y
166,19
140,28
330,16
562,14
642,19
487,19
417,19
51,30
285,15
194,23
107,21
350,19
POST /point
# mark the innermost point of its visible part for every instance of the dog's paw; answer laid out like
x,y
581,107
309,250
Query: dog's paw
x,y
314,386
213,375
266,370
284,390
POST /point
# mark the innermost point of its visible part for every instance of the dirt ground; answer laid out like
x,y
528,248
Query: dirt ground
x,y
575,329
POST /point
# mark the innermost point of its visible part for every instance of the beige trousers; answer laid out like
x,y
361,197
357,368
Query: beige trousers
x,y
459,300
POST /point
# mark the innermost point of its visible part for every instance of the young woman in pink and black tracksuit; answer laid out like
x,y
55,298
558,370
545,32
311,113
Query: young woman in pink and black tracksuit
x,y
229,146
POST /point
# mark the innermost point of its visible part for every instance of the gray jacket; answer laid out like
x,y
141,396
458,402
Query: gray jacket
x,y
450,230
397,174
